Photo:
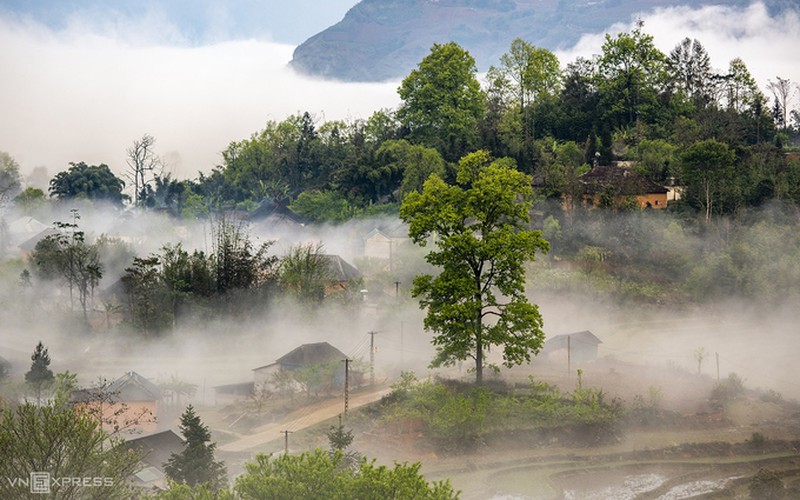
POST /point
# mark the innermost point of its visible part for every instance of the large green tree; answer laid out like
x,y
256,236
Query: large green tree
x,y
66,444
526,77
480,227
92,182
631,74
689,72
443,101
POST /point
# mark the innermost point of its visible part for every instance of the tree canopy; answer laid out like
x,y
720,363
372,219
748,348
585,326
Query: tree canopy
x,y
92,182
443,101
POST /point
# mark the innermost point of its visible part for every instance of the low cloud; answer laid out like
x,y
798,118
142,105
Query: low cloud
x,y
765,43
76,95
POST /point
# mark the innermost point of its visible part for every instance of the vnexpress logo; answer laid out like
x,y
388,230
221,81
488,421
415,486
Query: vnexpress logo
x,y
40,482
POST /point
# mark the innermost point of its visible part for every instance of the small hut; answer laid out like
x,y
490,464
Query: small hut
x,y
577,347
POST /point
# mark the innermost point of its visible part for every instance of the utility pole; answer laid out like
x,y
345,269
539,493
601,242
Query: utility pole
x,y
717,354
285,441
372,357
346,384
569,355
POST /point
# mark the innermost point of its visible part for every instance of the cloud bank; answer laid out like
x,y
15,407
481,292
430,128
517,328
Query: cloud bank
x,y
76,95
85,92
767,44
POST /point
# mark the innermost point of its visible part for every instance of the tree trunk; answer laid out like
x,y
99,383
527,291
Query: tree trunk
x,y
479,349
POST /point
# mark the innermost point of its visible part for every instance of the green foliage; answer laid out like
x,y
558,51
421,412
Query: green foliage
x,y
631,70
66,443
457,416
30,200
40,375
442,101
480,228
413,164
323,206
91,182
66,384
65,255
9,177
728,389
147,300
319,474
339,438
319,378
706,168
177,491
306,273
195,464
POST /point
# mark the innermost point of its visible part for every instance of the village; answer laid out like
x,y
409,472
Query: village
x,y
274,396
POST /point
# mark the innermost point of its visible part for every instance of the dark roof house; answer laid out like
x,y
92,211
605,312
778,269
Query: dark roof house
x,y
128,388
156,449
309,355
134,387
342,270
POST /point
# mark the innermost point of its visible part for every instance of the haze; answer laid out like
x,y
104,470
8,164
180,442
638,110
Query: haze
x,y
86,88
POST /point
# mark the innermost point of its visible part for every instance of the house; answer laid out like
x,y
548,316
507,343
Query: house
x,y
228,393
129,403
24,229
614,186
577,347
382,243
343,274
28,245
318,354
156,449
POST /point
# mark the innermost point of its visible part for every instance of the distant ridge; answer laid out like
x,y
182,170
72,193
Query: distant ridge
x,y
385,39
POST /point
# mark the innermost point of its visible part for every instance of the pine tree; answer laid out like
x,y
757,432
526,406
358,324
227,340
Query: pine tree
x,y
195,464
39,375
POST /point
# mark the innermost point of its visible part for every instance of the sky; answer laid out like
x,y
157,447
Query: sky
x,y
83,85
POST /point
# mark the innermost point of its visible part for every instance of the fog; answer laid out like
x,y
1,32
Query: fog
x,y
76,95
765,43
83,91
753,332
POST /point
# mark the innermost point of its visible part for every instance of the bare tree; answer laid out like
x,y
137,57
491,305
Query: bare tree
x,y
114,415
143,166
782,92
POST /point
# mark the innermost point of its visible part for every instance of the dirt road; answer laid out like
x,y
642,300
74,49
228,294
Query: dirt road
x,y
300,419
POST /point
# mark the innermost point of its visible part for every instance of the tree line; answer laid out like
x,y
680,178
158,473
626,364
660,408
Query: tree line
x,y
716,133
156,293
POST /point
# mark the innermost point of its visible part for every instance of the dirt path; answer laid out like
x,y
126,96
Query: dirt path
x,y
303,418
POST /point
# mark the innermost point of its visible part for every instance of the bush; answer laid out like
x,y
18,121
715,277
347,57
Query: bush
x,y
727,390
458,415
767,484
